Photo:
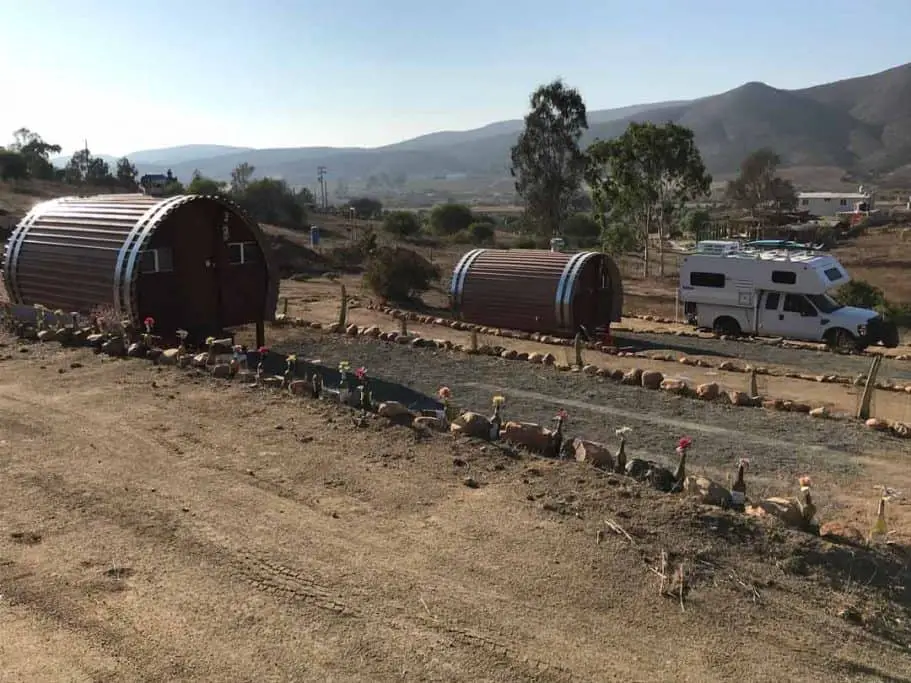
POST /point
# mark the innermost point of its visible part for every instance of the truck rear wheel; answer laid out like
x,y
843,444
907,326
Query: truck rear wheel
x,y
727,326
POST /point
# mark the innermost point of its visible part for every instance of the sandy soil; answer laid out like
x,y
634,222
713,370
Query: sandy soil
x,y
160,526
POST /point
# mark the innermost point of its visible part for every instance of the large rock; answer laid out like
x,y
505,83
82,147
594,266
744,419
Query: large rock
x,y
393,410
674,386
632,377
651,472
785,509
47,335
593,453
114,347
708,391
530,435
222,370
137,350
876,424
300,387
707,491
471,424
200,360
740,398
169,357
429,422
372,331
651,379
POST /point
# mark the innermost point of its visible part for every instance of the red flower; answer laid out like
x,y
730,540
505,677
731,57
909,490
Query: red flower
x,y
149,321
361,373
263,350
561,414
684,443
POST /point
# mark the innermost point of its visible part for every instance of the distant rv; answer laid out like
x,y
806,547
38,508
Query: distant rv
x,y
735,289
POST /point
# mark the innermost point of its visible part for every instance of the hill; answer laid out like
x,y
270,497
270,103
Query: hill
x,y
854,129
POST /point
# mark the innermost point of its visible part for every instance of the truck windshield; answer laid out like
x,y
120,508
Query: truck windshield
x,y
824,303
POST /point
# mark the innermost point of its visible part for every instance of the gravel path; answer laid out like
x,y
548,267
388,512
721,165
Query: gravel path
x,y
779,442
811,362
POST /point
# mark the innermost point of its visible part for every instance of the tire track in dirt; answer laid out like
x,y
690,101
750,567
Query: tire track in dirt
x,y
261,572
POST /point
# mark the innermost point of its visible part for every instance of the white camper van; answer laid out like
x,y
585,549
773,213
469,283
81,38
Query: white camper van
x,y
776,293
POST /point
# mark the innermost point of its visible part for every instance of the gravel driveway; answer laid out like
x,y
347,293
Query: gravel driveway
x,y
759,353
783,442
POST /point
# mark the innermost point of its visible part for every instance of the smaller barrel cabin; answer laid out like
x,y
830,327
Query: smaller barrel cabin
x,y
191,262
537,291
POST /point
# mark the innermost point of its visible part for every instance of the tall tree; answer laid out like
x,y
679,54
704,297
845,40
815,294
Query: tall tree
x,y
36,153
645,177
126,173
547,162
758,183
240,177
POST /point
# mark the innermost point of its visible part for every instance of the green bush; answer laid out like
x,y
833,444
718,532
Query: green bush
x,y
401,224
581,230
532,242
398,274
448,219
481,233
864,295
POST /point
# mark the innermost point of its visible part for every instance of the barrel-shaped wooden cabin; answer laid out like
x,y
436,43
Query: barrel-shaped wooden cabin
x,y
191,262
537,291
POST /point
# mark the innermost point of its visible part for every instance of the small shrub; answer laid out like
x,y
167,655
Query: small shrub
x,y
480,233
532,242
401,224
398,274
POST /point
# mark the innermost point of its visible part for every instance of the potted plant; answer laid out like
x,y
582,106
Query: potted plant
x,y
366,397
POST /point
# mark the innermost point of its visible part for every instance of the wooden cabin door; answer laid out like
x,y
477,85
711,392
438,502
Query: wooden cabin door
x,y
196,241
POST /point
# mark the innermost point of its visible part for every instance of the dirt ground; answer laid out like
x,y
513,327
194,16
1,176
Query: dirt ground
x,y
158,525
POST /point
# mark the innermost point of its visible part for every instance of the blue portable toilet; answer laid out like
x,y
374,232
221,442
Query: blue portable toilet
x,y
314,236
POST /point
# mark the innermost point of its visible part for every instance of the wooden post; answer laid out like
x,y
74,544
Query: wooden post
x,y
754,389
343,311
863,412
577,345
403,325
260,334
285,306
473,341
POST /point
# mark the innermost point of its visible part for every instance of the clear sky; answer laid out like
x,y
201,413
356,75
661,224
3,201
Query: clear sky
x,y
129,75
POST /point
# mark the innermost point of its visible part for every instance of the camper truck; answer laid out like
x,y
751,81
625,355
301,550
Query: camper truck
x,y
734,289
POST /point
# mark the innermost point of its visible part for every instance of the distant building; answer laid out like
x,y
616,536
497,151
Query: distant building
x,y
834,203
154,184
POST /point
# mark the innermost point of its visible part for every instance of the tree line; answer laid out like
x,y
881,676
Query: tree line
x,y
639,184
268,200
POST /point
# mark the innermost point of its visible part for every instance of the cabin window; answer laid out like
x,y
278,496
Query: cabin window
x,y
784,277
827,200
804,202
240,253
843,202
707,279
771,301
833,274
159,260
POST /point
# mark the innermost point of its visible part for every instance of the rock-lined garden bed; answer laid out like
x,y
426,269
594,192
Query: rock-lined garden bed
x,y
647,379
611,349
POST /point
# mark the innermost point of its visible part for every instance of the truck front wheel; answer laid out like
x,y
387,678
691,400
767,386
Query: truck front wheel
x,y
727,326
842,340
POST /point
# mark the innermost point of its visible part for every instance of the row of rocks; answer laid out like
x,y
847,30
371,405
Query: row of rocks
x,y
724,366
648,379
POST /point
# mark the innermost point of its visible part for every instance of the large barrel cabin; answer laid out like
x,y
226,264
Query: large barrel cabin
x,y
191,262
537,291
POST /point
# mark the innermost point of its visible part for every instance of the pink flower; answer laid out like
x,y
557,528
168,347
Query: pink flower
x,y
445,393
684,443
361,373
263,350
561,414
149,321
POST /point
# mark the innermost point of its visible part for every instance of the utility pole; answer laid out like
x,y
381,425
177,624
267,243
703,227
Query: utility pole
x,y
321,176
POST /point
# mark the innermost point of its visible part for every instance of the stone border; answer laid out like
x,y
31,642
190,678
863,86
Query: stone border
x,y
724,366
648,379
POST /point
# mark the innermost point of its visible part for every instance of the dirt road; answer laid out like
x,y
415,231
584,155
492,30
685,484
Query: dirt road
x,y
157,527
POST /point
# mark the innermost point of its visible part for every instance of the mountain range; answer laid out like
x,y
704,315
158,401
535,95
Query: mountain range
x,y
858,128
